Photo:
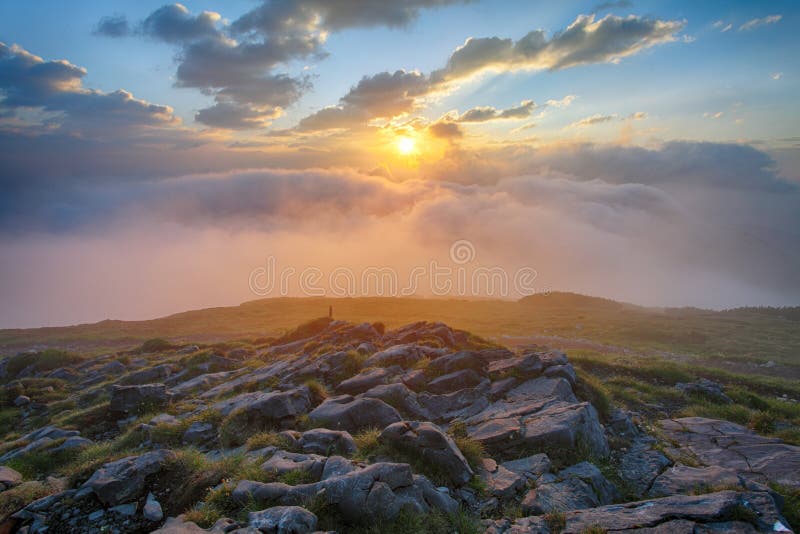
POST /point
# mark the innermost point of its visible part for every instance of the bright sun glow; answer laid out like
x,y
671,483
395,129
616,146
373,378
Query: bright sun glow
x,y
405,145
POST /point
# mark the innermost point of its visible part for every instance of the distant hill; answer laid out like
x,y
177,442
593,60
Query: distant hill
x,y
563,299
745,334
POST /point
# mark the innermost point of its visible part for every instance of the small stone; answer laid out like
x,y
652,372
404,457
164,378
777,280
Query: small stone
x,y
152,509
22,400
97,514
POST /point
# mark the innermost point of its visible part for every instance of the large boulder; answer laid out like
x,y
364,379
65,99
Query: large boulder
x,y
455,381
378,490
283,520
282,462
725,444
426,440
124,480
501,482
557,428
682,479
641,464
323,441
399,396
347,413
457,361
132,400
367,379
405,355
262,409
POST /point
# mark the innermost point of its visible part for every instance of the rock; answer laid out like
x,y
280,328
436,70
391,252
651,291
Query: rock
x,y
559,427
715,512
705,388
461,404
131,400
9,478
682,479
283,462
96,515
414,379
458,361
126,510
400,397
587,472
152,509
73,442
404,355
428,441
179,525
326,442
500,481
63,373
528,366
346,413
199,382
551,358
501,387
566,372
724,444
21,401
367,379
154,374
261,409
123,480
378,490
641,464
568,494
283,520
337,466
454,381
200,433
530,467
112,368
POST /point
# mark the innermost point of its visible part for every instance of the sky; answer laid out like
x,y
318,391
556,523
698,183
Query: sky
x,y
160,157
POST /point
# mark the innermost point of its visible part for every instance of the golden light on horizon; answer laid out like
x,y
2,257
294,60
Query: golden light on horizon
x,y
406,145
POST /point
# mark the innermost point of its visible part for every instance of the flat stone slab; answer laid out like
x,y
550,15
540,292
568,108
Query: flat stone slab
x,y
714,512
722,443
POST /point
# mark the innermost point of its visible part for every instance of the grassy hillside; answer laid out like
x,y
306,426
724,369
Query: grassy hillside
x,y
559,319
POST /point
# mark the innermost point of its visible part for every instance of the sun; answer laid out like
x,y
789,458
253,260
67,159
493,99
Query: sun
x,y
406,145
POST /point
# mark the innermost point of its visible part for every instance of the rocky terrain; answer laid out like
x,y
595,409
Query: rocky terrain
x,y
351,428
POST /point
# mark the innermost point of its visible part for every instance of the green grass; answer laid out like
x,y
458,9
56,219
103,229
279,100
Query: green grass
x,y
19,496
46,360
647,386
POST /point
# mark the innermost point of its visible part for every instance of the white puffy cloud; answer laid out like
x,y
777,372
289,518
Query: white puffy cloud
x,y
55,86
585,41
